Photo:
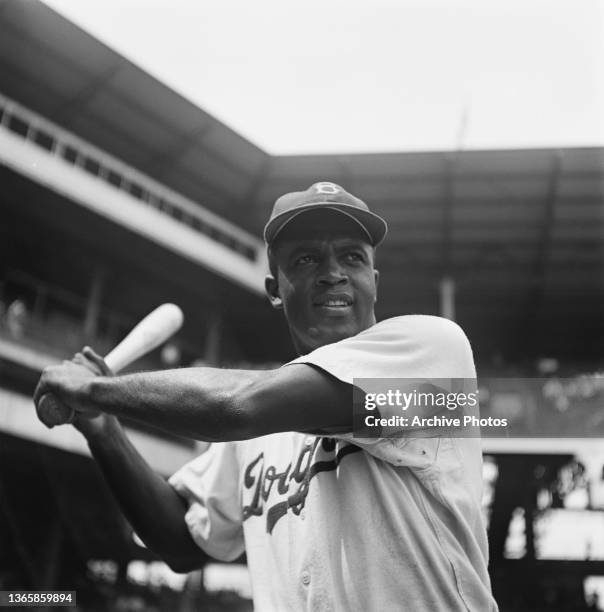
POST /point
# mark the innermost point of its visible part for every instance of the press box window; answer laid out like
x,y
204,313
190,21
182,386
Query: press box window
x,y
44,140
17,125
70,154
136,190
115,178
92,166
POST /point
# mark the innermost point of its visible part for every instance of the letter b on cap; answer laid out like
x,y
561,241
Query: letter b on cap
x,y
327,188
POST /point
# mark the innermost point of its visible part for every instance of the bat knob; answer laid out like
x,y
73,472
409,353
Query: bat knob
x,y
52,412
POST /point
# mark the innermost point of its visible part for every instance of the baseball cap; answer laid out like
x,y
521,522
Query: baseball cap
x,y
326,196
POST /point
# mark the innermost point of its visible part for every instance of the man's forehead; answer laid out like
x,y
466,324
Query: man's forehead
x,y
319,240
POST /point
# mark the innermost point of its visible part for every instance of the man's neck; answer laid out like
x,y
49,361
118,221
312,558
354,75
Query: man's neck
x,y
304,349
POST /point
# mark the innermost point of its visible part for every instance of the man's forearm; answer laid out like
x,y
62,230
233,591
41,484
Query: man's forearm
x,y
202,403
209,404
137,488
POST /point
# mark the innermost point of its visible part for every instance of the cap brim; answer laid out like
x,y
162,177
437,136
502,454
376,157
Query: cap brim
x,y
373,224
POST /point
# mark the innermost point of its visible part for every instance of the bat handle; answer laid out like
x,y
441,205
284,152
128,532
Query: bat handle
x,y
52,412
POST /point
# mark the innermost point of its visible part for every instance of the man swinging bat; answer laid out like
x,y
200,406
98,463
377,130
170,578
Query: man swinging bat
x,y
328,521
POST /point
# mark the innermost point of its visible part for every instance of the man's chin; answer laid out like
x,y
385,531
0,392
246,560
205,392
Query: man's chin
x,y
321,334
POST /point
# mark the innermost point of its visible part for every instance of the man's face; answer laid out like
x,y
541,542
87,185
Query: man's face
x,y
325,280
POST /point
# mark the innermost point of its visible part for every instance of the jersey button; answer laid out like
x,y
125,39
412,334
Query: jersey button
x,y
305,578
303,515
309,441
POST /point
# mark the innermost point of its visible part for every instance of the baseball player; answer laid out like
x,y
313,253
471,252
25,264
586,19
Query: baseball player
x,y
328,521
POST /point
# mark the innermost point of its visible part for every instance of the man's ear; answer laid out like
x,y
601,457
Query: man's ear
x,y
376,278
271,286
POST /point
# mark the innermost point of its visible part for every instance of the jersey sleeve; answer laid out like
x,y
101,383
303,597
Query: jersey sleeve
x,y
210,485
412,346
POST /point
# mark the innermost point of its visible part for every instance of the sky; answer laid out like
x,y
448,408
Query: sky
x,y
349,76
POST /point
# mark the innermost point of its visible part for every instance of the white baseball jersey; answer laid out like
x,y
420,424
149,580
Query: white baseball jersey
x,y
345,524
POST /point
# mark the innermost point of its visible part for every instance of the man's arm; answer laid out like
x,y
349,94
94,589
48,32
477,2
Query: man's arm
x,y
209,403
150,504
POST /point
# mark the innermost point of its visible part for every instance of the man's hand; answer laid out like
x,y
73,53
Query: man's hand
x,y
92,422
95,363
68,383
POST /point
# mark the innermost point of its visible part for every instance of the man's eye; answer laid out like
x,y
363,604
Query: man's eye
x,y
304,259
354,256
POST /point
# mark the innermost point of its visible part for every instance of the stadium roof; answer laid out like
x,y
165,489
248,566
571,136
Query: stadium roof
x,y
521,232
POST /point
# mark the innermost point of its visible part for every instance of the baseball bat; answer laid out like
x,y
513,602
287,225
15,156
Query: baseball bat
x,y
149,333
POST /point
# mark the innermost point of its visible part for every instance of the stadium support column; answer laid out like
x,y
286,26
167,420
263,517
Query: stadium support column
x,y
93,306
213,340
446,286
534,331
446,290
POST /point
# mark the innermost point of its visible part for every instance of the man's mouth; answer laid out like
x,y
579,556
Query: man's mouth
x,y
333,301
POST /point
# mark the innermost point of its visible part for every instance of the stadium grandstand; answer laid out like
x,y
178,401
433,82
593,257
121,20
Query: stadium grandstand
x,y
118,195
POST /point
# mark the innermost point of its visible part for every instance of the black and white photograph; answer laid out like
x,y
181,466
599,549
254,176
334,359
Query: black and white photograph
x,y
302,305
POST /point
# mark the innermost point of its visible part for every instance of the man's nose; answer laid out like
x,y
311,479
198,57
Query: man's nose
x,y
331,273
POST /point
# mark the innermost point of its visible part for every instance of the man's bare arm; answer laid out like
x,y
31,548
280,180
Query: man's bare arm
x,y
147,500
136,487
209,403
